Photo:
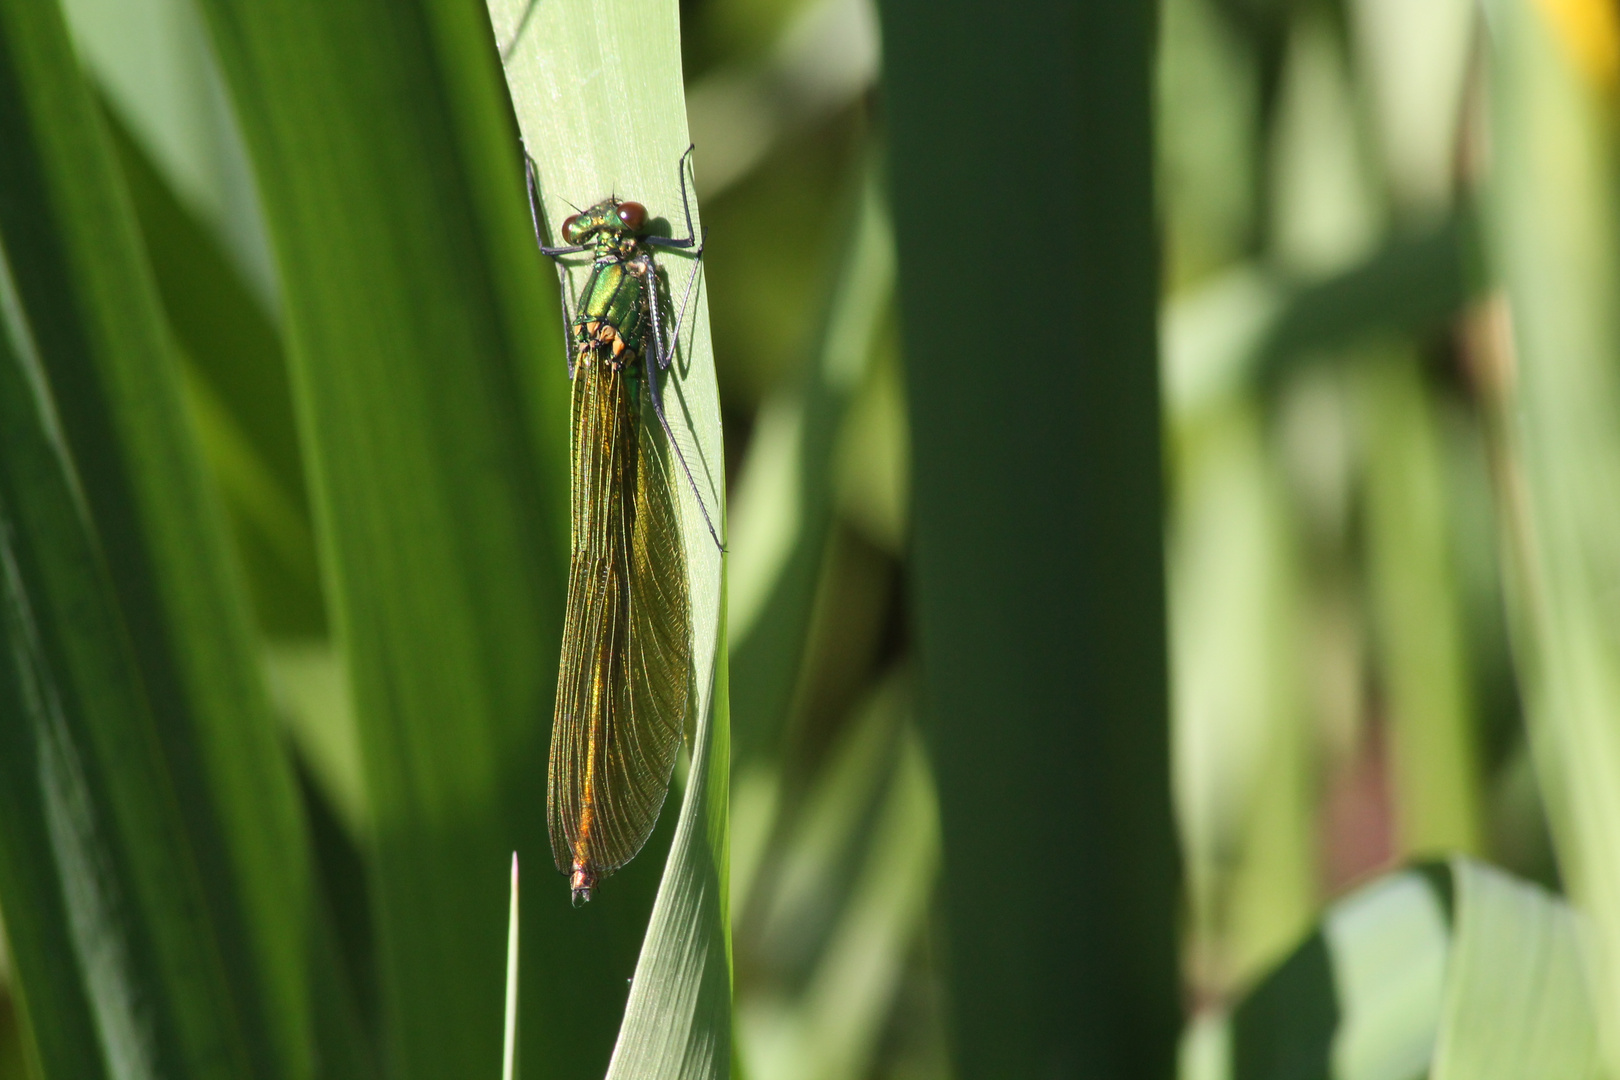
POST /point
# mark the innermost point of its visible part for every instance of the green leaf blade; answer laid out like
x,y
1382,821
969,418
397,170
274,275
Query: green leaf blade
x,y
1037,549
1447,970
1551,237
433,402
184,838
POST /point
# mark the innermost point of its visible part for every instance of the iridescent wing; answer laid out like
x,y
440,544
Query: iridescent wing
x,y
660,601
624,683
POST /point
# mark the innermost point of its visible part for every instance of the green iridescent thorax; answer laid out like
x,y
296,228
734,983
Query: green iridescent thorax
x,y
611,324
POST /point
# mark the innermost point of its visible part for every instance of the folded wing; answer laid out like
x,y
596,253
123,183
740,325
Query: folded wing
x,y
624,684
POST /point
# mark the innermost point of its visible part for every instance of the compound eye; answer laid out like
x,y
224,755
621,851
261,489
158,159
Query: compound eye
x,y
632,215
569,224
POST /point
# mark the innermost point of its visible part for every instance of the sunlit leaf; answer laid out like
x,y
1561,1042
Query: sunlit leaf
x,y
1450,970
432,406
1552,231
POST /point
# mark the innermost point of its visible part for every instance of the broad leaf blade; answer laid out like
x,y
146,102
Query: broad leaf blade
x,y
237,383
172,830
1517,1004
432,402
1447,970
1036,527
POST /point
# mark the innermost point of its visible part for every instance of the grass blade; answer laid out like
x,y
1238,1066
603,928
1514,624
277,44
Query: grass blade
x,y
1552,241
1243,762
509,1032
172,829
432,408
849,898
237,379
784,503
1517,1002
1252,326
1417,605
1038,552
1446,970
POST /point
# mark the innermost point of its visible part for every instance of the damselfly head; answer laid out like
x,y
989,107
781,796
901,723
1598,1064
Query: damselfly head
x,y
608,218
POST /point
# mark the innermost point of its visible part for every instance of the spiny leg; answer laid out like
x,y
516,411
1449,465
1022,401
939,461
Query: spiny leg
x,y
534,211
651,366
686,205
517,35
562,271
669,242
680,317
568,319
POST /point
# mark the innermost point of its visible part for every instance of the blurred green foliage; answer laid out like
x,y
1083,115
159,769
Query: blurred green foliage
x,y
1355,617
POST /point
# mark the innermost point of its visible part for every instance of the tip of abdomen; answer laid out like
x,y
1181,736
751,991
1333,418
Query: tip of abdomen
x,y
581,882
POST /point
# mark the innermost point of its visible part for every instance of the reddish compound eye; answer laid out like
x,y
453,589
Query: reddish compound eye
x,y
632,215
568,229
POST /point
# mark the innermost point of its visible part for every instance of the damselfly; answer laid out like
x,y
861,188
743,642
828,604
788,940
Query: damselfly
x,y
624,685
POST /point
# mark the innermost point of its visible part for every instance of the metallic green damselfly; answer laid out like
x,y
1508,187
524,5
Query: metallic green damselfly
x,y
624,684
